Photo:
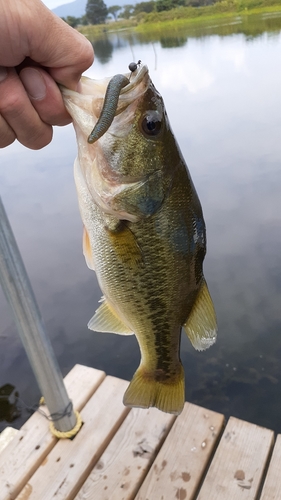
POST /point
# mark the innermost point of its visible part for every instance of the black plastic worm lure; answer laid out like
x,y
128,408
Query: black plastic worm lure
x,y
108,111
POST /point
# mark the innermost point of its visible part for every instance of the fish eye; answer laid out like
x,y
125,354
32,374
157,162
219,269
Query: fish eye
x,y
151,124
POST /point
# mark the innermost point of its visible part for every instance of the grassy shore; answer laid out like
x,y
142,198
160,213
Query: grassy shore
x,y
185,16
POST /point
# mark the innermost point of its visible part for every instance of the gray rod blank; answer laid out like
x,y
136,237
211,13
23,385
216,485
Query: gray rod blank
x,y
18,291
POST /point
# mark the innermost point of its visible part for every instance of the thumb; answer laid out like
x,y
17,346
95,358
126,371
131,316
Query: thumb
x,y
63,50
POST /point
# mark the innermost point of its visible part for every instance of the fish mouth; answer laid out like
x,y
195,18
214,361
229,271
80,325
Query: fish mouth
x,y
86,105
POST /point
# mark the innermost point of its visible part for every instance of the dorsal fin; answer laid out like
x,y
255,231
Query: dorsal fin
x,y
201,325
106,319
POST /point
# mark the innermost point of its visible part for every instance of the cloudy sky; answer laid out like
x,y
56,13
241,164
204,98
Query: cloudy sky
x,y
54,3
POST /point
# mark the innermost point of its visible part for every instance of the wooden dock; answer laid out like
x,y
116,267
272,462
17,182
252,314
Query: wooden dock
x,y
122,454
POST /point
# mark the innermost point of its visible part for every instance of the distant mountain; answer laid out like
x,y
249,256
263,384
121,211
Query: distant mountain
x,y
78,8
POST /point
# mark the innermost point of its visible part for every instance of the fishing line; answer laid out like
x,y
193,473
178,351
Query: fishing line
x,y
53,417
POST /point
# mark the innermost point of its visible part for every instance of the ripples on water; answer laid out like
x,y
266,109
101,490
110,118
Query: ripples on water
x,y
222,89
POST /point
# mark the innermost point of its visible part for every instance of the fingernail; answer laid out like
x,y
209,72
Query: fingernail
x,y
3,73
34,83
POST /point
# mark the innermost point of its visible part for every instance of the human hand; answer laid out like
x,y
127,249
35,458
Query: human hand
x,y
37,51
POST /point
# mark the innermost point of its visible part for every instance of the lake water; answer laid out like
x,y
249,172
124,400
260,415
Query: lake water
x,y
222,88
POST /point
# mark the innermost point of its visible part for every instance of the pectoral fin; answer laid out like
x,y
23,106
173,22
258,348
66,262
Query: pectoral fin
x,y
126,245
201,325
87,251
106,319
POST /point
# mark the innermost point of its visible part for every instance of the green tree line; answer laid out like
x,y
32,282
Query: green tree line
x,y
97,12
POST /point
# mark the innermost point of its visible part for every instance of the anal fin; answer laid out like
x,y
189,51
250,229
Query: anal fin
x,y
201,325
106,320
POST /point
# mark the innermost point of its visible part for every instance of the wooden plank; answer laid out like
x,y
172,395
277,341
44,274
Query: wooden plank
x,y
182,460
125,462
68,465
239,463
6,436
28,449
272,485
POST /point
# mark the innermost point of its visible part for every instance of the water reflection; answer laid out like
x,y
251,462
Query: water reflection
x,y
250,27
168,42
223,96
9,410
103,50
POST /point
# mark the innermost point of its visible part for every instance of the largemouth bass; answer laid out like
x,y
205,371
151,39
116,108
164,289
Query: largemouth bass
x,y
144,232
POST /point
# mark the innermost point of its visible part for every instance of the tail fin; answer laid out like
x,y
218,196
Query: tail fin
x,y
145,391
